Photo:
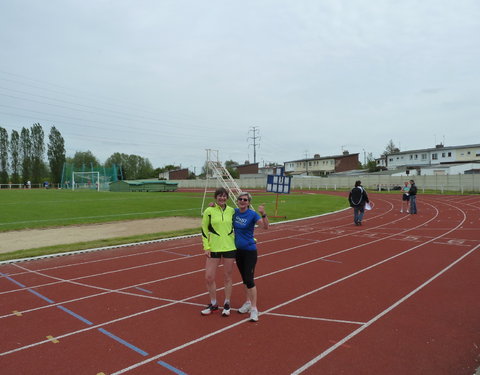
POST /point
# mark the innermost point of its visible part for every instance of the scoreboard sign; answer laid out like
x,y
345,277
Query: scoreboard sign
x,y
278,184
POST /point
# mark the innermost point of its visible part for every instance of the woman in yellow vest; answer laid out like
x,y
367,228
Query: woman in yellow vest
x,y
218,244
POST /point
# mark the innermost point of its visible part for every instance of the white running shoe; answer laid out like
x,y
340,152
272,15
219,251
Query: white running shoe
x,y
245,308
210,308
254,315
226,310
401,210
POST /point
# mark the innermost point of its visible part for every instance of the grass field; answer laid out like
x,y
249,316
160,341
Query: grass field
x,y
26,209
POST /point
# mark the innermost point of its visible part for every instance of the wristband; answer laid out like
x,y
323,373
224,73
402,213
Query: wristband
x,y
264,216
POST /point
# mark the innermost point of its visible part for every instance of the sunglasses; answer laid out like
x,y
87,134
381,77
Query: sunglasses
x,y
243,199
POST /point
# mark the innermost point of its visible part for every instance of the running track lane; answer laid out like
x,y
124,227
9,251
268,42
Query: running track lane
x,y
397,295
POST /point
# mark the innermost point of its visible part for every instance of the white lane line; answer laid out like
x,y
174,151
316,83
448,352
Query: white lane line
x,y
314,318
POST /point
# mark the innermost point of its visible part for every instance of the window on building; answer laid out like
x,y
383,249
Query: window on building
x,y
411,157
416,156
391,159
449,154
434,156
424,156
443,154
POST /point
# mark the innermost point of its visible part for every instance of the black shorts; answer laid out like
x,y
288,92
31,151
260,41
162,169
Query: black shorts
x,y
225,254
405,197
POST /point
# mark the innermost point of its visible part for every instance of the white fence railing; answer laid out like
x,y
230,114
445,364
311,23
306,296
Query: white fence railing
x,y
461,183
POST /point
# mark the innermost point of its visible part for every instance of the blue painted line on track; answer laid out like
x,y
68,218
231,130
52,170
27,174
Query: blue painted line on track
x,y
123,342
143,290
30,290
41,296
68,311
14,281
171,368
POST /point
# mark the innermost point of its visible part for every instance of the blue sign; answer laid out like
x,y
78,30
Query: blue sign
x,y
278,184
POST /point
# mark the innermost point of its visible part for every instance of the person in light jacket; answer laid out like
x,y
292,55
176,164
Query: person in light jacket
x,y
219,247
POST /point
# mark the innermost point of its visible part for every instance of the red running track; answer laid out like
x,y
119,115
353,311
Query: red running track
x,y
398,295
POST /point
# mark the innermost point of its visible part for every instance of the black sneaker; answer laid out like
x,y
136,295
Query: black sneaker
x,y
226,310
210,308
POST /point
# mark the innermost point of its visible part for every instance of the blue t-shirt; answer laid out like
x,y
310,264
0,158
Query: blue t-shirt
x,y
244,224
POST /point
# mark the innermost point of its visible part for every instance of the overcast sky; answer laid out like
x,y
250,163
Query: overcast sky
x,y
167,79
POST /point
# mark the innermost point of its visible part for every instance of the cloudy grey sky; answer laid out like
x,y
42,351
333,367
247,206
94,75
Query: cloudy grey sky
x,y
167,79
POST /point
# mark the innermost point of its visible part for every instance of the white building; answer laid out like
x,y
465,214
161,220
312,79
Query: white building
x,y
443,170
416,159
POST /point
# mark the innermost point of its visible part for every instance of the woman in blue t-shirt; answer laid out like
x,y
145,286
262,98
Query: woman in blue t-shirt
x,y
244,221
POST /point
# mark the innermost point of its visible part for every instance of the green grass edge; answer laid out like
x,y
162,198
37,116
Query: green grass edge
x,y
59,249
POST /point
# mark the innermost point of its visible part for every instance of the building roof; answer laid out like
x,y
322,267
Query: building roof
x,y
323,158
144,182
437,148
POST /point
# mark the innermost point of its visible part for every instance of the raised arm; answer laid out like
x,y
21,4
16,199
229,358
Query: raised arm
x,y
263,222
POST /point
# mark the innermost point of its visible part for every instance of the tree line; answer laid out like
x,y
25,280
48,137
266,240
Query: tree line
x,y
22,158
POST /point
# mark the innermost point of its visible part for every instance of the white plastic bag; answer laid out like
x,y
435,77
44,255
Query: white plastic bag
x,y
368,206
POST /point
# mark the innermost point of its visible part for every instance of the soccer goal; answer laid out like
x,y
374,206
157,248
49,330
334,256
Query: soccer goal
x,y
86,180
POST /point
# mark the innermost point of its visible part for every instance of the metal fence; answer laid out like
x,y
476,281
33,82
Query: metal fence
x,y
461,183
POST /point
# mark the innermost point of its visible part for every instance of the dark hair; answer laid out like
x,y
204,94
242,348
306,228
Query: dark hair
x,y
221,191
358,183
412,181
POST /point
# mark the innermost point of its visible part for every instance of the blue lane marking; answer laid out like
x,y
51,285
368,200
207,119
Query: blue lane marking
x,y
30,290
39,295
14,281
68,311
143,290
171,368
122,341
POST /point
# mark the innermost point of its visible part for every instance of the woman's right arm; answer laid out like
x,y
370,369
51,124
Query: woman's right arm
x,y
205,231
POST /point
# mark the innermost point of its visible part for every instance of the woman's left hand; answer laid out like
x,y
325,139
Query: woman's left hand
x,y
261,209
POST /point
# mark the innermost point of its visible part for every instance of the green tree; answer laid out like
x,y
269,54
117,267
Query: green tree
x,y
37,153
84,160
231,167
371,164
56,154
3,156
391,148
15,156
133,166
26,154
139,167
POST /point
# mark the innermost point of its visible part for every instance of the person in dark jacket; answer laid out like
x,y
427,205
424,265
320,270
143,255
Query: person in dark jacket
x,y
357,198
413,197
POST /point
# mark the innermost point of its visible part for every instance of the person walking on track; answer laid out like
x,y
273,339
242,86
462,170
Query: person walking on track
x,y
218,244
244,222
357,198
413,197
